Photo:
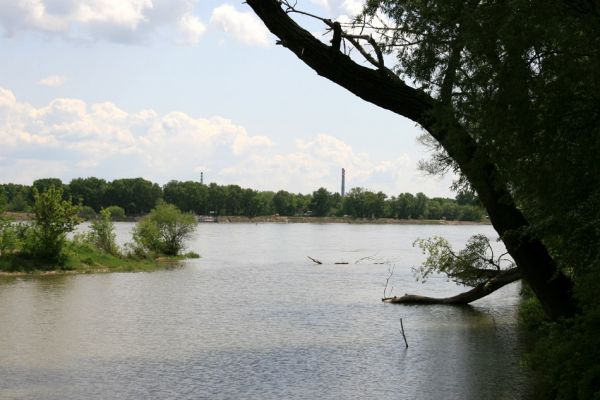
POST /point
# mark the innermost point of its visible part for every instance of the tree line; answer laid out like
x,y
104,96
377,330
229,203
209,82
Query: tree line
x,y
138,196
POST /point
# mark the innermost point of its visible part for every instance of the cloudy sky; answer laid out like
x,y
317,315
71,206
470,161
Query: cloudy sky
x,y
166,89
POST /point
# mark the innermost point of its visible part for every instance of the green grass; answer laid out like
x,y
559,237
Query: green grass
x,y
84,258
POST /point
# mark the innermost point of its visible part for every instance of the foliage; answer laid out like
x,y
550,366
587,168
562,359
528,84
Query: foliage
x,y
284,203
89,191
188,196
116,213
136,196
563,356
321,202
102,233
470,266
54,218
363,203
87,213
3,200
8,236
163,231
42,185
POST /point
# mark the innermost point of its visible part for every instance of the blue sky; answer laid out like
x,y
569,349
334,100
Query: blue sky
x,y
165,89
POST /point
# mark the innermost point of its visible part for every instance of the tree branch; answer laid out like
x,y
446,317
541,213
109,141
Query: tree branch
x,y
550,285
500,280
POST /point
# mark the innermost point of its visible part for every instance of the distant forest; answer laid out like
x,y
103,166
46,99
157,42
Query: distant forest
x,y
137,196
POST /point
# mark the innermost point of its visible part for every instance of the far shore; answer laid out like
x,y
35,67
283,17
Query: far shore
x,y
342,220
22,216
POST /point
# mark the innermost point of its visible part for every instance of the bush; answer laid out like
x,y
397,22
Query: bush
x,y
102,233
87,213
563,355
54,218
8,236
163,231
116,213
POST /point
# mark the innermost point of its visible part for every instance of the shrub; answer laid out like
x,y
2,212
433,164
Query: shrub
x,y
54,218
116,213
102,233
8,236
87,213
163,231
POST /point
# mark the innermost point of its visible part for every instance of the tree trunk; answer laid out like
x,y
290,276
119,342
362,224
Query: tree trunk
x,y
388,91
502,279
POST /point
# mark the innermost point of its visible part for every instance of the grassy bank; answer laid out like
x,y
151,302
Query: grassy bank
x,y
84,258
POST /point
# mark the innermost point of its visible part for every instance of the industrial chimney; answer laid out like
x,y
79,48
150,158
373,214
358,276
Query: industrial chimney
x,y
343,182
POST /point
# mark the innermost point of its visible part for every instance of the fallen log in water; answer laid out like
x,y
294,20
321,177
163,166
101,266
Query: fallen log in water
x,y
315,260
501,279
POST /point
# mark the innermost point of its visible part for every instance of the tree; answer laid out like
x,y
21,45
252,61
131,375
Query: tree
x,y
116,213
188,196
90,192
54,218
466,53
42,185
164,230
284,203
8,237
321,202
135,196
102,233
3,200
475,266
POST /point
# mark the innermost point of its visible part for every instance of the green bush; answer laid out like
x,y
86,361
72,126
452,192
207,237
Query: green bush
x,y
87,213
163,231
8,236
563,355
54,217
102,233
116,213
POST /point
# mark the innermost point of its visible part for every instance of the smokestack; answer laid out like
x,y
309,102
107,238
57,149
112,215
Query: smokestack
x,y
343,182
201,178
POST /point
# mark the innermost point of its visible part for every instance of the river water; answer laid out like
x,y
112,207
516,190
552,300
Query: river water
x,y
254,318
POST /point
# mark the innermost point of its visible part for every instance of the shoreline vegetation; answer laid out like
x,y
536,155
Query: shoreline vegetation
x,y
137,196
24,216
39,243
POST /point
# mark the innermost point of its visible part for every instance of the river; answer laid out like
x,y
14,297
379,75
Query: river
x,y
254,318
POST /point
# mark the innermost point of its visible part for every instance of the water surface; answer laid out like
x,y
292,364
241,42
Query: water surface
x,y
254,318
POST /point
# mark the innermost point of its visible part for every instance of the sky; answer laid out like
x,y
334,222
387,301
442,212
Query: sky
x,y
167,89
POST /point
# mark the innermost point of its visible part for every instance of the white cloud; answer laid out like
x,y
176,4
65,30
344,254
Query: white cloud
x,y
111,20
323,3
53,81
70,138
99,138
191,29
243,26
352,7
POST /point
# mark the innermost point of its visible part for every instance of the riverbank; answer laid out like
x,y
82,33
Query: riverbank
x,y
342,220
22,216
83,258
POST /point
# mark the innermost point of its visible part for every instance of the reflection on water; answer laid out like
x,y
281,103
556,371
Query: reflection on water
x,y
255,319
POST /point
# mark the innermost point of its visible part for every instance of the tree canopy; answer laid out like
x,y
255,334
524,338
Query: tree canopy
x,y
508,93
501,87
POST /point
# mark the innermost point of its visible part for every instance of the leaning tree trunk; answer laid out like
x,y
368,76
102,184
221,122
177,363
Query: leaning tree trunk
x,y
502,278
388,91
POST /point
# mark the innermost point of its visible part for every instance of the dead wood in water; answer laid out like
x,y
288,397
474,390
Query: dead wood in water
x,y
315,260
501,279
